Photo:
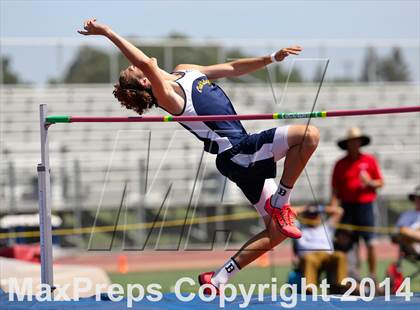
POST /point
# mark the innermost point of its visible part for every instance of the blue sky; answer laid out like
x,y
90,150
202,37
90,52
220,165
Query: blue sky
x,y
246,19
199,19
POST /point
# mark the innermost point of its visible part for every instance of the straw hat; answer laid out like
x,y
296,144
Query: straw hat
x,y
415,194
353,133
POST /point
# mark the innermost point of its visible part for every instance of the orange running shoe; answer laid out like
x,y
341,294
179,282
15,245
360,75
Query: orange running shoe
x,y
284,217
205,278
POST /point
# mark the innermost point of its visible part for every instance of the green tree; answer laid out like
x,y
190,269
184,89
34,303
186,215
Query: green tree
x,y
90,65
93,65
9,77
205,55
393,68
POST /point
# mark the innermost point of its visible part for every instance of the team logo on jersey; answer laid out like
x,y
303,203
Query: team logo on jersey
x,y
201,84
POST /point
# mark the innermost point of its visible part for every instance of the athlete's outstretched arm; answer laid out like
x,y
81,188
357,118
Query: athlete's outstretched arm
x,y
161,89
242,66
133,54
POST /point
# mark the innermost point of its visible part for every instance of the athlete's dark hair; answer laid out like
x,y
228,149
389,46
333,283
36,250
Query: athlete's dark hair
x,y
132,95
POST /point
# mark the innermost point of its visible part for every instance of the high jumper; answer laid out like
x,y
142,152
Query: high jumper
x,y
249,160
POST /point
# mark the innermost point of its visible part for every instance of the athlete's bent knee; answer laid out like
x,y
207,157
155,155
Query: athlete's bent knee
x,y
312,137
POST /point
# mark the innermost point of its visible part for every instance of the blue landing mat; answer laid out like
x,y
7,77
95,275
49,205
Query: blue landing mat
x,y
171,302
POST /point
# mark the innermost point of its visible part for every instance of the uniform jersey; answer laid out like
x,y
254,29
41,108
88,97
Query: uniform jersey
x,y
346,179
246,159
203,97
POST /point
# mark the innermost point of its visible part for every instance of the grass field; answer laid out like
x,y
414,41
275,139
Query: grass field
x,y
167,279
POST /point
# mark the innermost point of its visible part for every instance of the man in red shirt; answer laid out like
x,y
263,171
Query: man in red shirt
x,y
356,177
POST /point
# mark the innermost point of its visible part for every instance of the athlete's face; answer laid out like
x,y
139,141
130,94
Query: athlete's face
x,y
134,72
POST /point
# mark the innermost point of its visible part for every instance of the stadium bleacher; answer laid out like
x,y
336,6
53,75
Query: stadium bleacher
x,y
109,155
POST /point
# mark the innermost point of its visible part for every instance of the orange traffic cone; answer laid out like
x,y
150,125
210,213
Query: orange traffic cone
x,y
122,264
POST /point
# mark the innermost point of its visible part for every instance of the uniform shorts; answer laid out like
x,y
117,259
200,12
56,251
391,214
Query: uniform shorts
x,y
362,214
251,164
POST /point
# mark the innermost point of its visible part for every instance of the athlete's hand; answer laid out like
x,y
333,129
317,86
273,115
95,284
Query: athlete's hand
x,y
284,52
92,27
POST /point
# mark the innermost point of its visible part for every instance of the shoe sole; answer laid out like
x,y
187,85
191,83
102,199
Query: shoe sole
x,y
289,235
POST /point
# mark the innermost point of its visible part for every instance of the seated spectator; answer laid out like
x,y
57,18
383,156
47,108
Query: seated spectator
x,y
409,227
408,237
315,248
346,240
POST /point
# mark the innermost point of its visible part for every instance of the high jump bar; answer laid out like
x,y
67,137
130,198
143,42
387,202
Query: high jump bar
x,y
207,118
43,168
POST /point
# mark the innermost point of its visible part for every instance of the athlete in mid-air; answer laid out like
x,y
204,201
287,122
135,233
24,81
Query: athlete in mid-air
x,y
249,160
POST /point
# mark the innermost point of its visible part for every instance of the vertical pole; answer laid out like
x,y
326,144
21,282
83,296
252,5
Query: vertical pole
x,y
44,191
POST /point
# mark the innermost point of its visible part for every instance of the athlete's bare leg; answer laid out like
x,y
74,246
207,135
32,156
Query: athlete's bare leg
x,y
259,244
302,142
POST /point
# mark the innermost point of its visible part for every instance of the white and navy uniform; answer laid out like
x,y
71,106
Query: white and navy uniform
x,y
246,159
